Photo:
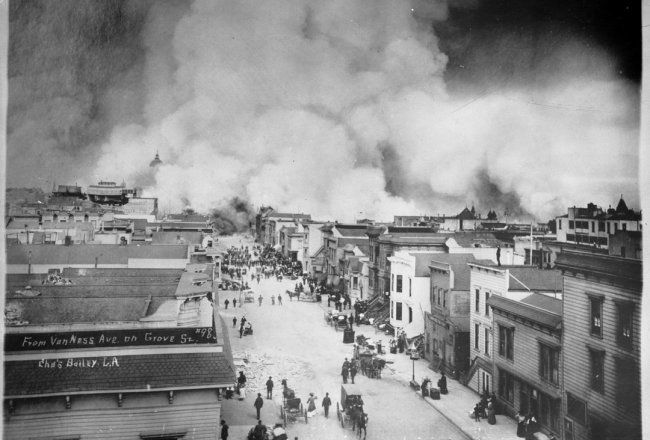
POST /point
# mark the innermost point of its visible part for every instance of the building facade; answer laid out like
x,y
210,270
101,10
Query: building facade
x,y
602,323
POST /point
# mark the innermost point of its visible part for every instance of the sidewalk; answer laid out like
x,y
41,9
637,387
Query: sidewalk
x,y
454,406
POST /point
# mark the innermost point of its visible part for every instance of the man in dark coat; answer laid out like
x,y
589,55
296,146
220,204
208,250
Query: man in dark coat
x,y
259,433
353,370
327,402
442,384
269,388
234,321
259,402
241,328
224,430
226,302
345,370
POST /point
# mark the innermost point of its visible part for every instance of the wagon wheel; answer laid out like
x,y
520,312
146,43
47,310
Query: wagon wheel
x,y
282,412
338,411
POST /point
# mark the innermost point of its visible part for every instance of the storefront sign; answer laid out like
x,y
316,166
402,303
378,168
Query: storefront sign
x,y
109,338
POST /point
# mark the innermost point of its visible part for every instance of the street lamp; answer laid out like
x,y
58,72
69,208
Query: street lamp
x,y
414,357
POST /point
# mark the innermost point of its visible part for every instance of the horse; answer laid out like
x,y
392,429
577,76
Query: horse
x,y
361,422
287,392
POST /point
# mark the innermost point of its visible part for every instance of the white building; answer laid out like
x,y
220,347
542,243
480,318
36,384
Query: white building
x,y
409,290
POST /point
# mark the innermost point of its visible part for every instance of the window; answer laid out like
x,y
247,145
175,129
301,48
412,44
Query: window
x,y
615,227
476,300
624,225
608,227
487,307
601,226
627,384
398,284
487,341
597,361
355,283
625,321
506,386
571,224
398,311
549,412
476,329
506,342
439,292
559,224
576,408
392,282
392,309
410,287
432,294
410,315
596,316
593,226
549,363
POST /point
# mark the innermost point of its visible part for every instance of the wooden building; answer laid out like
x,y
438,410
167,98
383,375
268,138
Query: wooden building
x,y
115,356
527,357
602,320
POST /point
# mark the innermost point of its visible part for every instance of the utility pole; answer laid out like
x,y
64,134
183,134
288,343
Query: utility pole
x,y
531,243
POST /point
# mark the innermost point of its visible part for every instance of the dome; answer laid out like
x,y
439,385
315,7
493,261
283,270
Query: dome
x,y
154,163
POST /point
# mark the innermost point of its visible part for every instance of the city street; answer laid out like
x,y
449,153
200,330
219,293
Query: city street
x,y
293,341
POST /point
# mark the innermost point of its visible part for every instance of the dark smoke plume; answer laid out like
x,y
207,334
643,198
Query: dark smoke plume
x,y
237,216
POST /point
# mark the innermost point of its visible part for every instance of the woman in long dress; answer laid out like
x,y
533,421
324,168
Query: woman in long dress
x,y
311,405
491,414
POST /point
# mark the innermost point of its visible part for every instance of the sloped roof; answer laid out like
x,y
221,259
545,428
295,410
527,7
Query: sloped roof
x,y
466,214
422,261
158,371
437,239
187,217
458,263
22,222
535,310
351,230
86,253
534,279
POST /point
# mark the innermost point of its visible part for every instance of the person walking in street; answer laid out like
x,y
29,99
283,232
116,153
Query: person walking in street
x,y
353,370
241,329
491,414
311,405
345,370
224,430
279,299
259,403
234,303
327,402
259,433
234,321
269,388
259,299
226,302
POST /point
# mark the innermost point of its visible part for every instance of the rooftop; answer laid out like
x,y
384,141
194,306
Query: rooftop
x,y
537,308
86,253
533,278
621,269
458,264
131,372
351,230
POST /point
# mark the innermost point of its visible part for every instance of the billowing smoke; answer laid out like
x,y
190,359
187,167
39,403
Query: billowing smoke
x,y
236,216
342,109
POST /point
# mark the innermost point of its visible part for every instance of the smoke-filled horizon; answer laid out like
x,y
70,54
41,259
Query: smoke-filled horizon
x,y
342,109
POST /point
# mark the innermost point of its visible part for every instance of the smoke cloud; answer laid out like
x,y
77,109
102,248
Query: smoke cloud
x,y
342,109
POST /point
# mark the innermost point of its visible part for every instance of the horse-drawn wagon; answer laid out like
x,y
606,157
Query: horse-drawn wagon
x,y
350,408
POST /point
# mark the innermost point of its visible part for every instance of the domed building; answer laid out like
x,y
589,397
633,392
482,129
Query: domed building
x,y
156,162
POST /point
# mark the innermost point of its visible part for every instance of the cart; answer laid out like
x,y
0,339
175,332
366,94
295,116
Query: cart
x,y
292,410
350,405
249,296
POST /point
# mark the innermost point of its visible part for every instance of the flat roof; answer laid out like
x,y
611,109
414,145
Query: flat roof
x,y
98,373
86,253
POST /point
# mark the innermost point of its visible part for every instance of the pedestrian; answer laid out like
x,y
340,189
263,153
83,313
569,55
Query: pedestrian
x,y
353,370
491,414
259,433
234,303
259,403
272,300
241,329
224,430
351,320
234,321
521,424
329,299
279,299
259,299
311,405
226,302
241,380
477,413
345,370
269,388
442,384
327,402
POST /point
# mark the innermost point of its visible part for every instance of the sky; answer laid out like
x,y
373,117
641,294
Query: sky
x,y
343,109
